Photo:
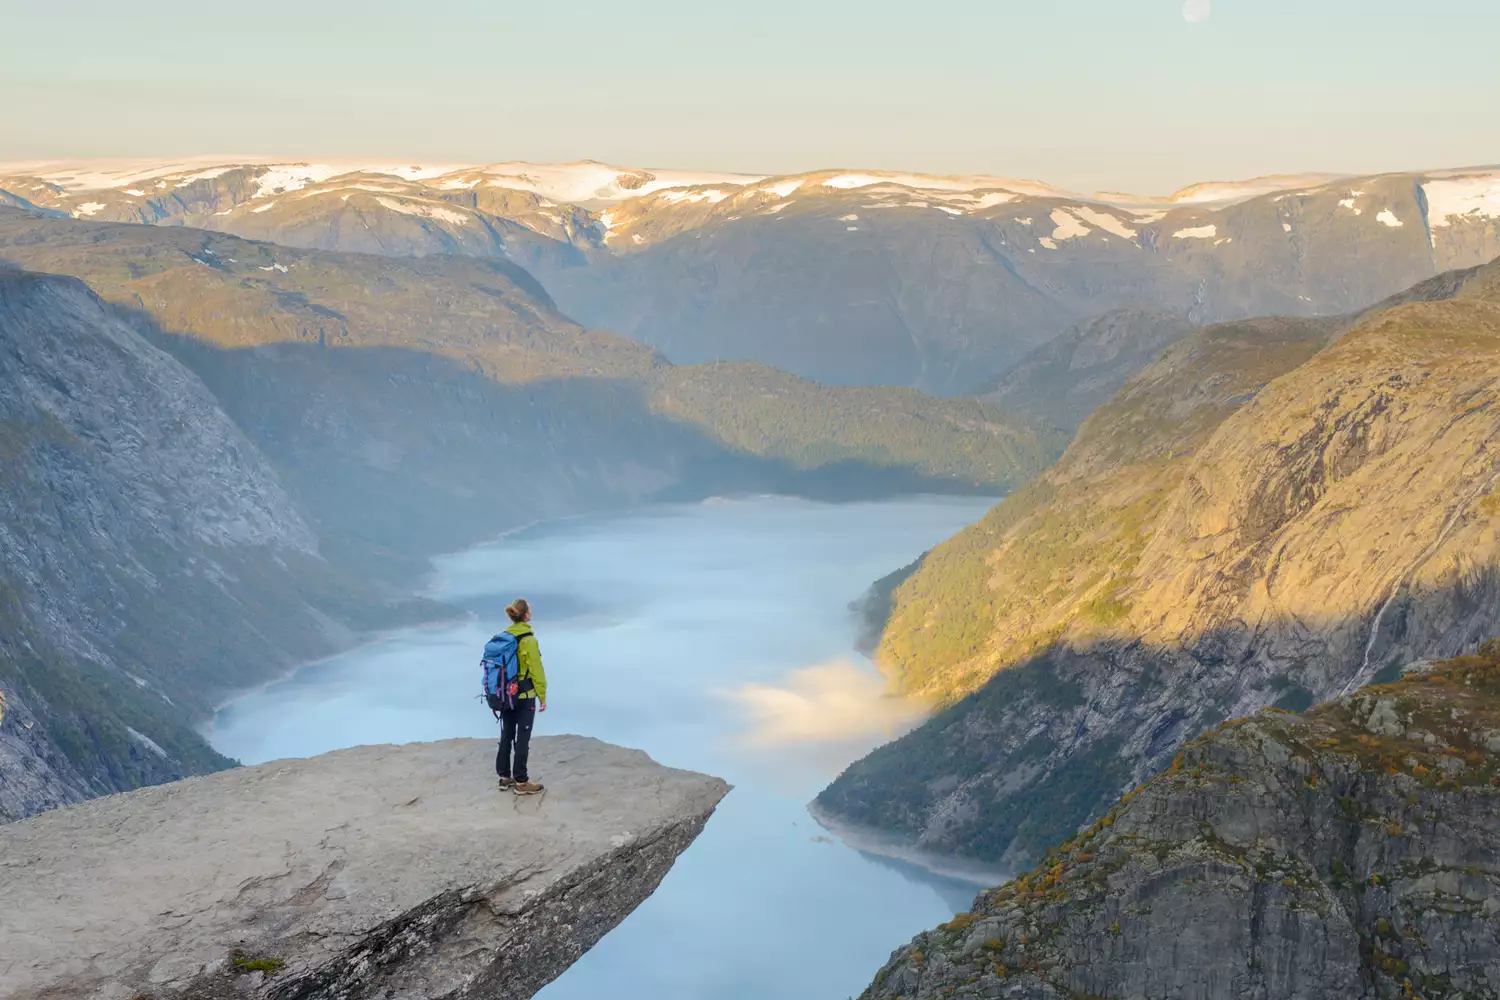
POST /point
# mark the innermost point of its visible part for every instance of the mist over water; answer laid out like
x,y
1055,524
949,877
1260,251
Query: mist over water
x,y
716,637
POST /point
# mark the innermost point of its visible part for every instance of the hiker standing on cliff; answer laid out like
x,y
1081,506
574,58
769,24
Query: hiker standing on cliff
x,y
516,689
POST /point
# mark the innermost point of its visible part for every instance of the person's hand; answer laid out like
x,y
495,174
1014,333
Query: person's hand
x,y
542,706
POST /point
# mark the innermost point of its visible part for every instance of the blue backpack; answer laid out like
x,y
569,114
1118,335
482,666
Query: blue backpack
x,y
502,671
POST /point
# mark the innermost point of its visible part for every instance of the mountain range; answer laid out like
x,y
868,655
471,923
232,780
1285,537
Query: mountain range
x,y
374,341
846,277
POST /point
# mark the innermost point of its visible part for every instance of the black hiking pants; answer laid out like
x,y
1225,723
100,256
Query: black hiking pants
x,y
515,734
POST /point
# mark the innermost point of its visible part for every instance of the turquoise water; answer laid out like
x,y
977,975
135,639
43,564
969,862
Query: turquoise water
x,y
717,637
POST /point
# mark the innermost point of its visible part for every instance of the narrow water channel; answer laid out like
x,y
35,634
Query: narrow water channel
x,y
717,637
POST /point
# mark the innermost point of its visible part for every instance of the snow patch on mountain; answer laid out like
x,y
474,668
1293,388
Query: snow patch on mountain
x,y
88,208
1197,233
1104,221
294,177
845,182
927,184
783,188
1462,198
591,182
1388,218
1225,192
426,210
1068,225
104,175
713,196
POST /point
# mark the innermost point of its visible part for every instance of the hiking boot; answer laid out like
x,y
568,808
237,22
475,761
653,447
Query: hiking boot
x,y
526,788
506,783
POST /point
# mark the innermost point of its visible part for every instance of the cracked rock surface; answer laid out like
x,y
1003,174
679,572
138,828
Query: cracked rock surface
x,y
379,871
1350,852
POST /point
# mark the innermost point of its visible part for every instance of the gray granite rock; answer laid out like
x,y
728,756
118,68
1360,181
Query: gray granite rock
x,y
1337,854
380,871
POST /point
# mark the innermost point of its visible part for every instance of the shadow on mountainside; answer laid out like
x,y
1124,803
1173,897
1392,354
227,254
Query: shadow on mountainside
x,y
398,454
124,620
1046,745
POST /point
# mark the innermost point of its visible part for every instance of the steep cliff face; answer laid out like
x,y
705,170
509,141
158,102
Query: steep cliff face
x,y
1251,521
153,560
1349,852
390,872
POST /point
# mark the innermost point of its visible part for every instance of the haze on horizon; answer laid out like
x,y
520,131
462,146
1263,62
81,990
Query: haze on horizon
x,y
1145,96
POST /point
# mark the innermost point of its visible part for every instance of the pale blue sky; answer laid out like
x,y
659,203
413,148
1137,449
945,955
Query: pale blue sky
x,y
1091,94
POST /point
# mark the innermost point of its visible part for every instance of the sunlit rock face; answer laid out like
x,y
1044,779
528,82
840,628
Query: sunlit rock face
x,y
390,872
1274,513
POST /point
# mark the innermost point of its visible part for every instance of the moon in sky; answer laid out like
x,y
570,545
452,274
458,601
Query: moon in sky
x,y
1197,11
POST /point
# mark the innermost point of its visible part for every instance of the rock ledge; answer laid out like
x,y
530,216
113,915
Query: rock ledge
x,y
380,871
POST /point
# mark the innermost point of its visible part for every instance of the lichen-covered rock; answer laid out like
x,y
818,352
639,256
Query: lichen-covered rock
x,y
391,872
1351,852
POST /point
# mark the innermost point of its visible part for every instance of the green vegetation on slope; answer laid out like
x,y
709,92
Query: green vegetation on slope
x,y
766,412
1223,535
1323,852
1060,551
1072,375
493,318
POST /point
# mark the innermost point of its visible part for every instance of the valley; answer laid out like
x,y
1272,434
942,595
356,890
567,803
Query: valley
x,y
294,435
987,501
1242,441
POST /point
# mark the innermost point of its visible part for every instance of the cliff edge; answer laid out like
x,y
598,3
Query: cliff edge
x,y
1348,852
380,871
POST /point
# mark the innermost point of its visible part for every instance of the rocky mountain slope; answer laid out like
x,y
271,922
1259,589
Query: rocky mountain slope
x,y
942,285
1348,852
461,361
1075,373
153,560
850,277
1271,513
215,474
393,884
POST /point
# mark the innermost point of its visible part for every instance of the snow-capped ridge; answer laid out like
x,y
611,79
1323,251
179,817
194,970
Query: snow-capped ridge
x,y
1462,195
1226,192
589,182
